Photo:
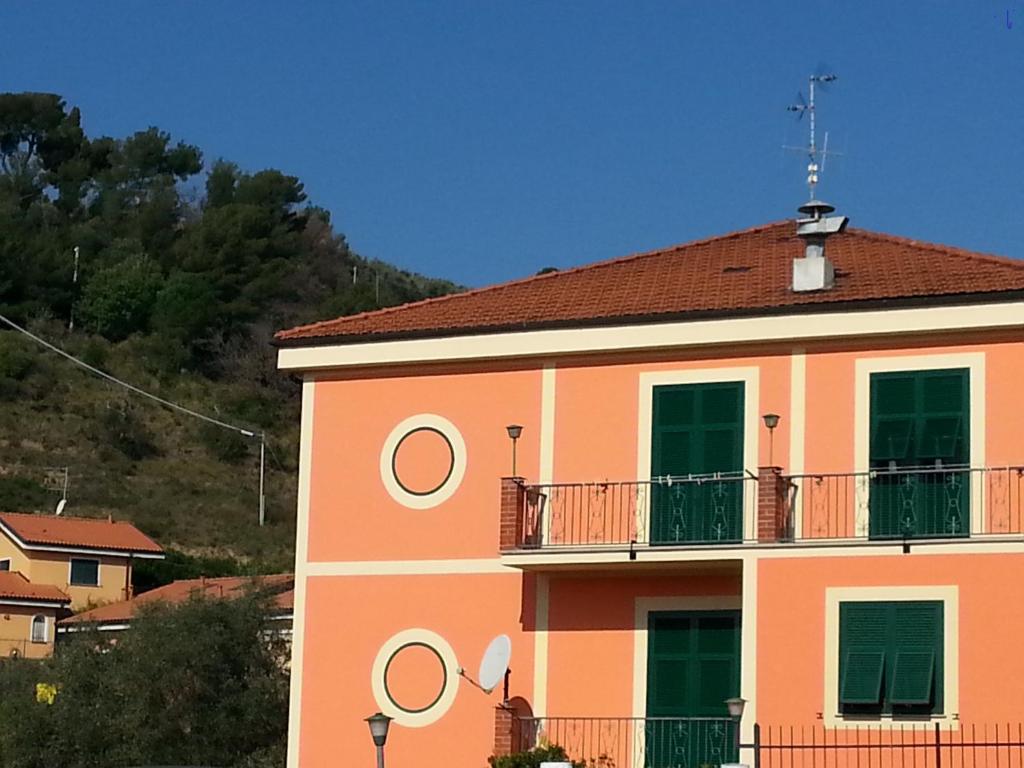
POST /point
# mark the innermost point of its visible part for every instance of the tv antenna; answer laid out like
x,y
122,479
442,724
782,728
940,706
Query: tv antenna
x,y
493,666
814,154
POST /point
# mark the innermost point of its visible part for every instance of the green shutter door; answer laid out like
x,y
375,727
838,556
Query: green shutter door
x,y
919,427
697,431
693,666
890,657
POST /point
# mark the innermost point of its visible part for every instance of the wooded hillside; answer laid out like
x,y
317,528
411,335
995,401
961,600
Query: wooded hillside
x,y
185,267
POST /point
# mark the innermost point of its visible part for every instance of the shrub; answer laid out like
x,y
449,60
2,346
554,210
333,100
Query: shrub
x,y
124,431
118,300
16,358
224,444
19,494
532,758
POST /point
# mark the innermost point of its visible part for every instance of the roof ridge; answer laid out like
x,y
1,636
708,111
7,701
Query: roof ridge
x,y
384,311
75,518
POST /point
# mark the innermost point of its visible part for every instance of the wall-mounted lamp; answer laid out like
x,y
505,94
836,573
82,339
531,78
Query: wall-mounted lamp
x,y
514,431
771,420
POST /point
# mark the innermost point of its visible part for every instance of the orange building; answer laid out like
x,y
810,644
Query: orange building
x,y
116,617
783,464
28,615
88,559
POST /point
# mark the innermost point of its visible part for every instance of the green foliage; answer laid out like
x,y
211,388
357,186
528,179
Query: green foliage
x,y
20,494
150,574
183,276
126,432
224,444
533,758
196,684
119,299
16,357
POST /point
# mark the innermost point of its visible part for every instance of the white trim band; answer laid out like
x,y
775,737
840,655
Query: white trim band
x,y
699,333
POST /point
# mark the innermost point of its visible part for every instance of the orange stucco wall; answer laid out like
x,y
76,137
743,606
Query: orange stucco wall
x,y
591,625
351,617
16,631
351,515
53,568
791,628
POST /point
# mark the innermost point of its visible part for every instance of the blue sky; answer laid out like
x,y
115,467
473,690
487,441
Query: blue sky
x,y
481,141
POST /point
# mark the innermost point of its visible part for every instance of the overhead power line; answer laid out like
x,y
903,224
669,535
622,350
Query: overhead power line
x,y
149,395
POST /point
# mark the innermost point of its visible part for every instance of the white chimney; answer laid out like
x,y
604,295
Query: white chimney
x,y
814,272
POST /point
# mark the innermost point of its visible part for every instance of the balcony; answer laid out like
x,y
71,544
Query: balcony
x,y
625,742
704,514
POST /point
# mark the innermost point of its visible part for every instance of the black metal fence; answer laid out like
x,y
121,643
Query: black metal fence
x,y
889,745
626,742
691,509
668,742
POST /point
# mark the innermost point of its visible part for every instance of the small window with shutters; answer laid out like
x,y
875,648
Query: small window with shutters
x,y
890,658
39,629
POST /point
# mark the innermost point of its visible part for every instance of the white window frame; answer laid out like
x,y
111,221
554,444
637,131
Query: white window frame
x,y
974,362
99,564
5,560
949,596
46,629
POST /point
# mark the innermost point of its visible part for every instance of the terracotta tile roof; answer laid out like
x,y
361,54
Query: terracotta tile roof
x,y
78,532
746,272
279,586
14,586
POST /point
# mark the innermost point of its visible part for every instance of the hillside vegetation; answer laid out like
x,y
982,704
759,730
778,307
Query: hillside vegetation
x,y
184,271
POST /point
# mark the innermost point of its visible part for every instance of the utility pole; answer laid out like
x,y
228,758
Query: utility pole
x,y
263,501
74,284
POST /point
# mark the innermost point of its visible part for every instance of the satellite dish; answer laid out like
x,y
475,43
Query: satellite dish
x,y
494,664
60,507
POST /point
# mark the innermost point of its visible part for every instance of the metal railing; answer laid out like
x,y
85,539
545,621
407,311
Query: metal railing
x,y
690,509
632,742
889,745
908,503
898,504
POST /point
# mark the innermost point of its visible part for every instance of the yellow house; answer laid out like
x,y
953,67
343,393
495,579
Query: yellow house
x,y
28,616
89,559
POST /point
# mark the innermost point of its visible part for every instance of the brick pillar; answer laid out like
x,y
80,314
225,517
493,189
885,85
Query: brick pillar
x,y
513,497
504,722
772,505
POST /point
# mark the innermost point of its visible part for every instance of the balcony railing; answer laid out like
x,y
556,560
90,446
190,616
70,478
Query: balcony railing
x,y
633,742
908,503
899,504
704,509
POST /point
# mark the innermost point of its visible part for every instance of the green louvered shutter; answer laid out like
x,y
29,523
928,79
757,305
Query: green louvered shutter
x,y
697,429
891,657
919,420
863,632
916,648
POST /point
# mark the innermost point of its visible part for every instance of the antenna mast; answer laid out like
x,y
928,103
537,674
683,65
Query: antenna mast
x,y
813,153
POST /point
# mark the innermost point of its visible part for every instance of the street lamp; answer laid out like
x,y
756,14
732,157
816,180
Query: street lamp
x,y
514,431
771,420
379,725
736,705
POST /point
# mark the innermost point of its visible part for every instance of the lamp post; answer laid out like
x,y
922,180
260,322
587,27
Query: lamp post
x,y
514,431
736,706
379,725
771,420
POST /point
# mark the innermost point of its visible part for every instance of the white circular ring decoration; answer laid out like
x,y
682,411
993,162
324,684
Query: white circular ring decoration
x,y
378,677
450,433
